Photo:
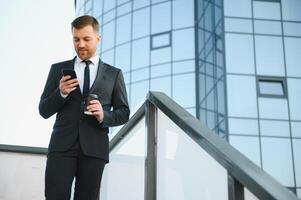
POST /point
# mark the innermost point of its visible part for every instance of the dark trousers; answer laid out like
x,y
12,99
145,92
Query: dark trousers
x,y
62,167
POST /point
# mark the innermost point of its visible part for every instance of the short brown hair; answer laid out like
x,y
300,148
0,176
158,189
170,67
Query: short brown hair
x,y
84,21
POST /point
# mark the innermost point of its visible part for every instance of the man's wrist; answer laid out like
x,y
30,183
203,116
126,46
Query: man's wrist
x,y
63,95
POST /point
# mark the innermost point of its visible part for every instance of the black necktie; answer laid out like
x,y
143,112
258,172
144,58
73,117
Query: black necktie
x,y
86,86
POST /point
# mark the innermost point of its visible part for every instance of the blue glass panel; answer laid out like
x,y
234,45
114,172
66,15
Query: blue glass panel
x,y
297,160
161,18
183,13
293,58
140,55
109,16
161,85
241,8
123,29
119,2
242,62
161,40
294,96
108,57
277,159
109,4
183,66
141,74
141,21
271,88
138,94
183,44
238,25
97,8
161,55
126,8
292,29
123,56
267,27
249,146
266,10
243,126
184,87
108,35
272,108
242,100
274,128
269,56
291,10
141,3
161,70
296,129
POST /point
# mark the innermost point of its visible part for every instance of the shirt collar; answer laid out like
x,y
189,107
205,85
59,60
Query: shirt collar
x,y
93,59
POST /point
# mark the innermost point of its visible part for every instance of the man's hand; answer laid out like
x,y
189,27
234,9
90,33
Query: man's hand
x,y
67,86
95,108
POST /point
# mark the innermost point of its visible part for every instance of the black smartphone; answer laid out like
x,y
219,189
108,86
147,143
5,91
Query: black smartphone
x,y
69,72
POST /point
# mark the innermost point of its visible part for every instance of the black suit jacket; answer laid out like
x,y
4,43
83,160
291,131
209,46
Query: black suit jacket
x,y
71,123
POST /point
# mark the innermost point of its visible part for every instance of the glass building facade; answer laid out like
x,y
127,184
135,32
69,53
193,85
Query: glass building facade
x,y
235,65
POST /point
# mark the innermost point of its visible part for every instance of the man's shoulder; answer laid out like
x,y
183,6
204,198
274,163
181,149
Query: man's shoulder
x,y
111,67
64,63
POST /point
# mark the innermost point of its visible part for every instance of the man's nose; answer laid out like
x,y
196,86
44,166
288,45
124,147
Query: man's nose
x,y
81,44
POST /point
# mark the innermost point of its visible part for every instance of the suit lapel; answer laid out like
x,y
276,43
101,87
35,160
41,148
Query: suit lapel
x,y
99,76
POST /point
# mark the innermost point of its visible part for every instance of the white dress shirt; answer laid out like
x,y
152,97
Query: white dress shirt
x,y
79,67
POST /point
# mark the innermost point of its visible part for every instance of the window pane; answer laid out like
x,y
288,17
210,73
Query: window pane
x,y
123,29
161,55
292,29
271,88
242,100
294,94
141,3
109,16
270,108
293,58
108,35
161,18
266,10
277,159
126,8
183,87
161,85
297,160
269,55
243,126
241,8
274,128
138,93
291,10
140,55
244,45
161,40
184,66
108,57
267,27
238,25
249,146
183,44
161,70
141,20
119,2
183,13
108,5
97,8
296,129
141,74
122,59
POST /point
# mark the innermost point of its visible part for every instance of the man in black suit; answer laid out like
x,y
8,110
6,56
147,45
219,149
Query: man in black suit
x,y
79,144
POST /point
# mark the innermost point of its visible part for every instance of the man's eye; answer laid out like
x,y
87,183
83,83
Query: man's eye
x,y
75,40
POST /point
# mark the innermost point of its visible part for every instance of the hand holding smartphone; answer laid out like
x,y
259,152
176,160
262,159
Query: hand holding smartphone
x,y
69,72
